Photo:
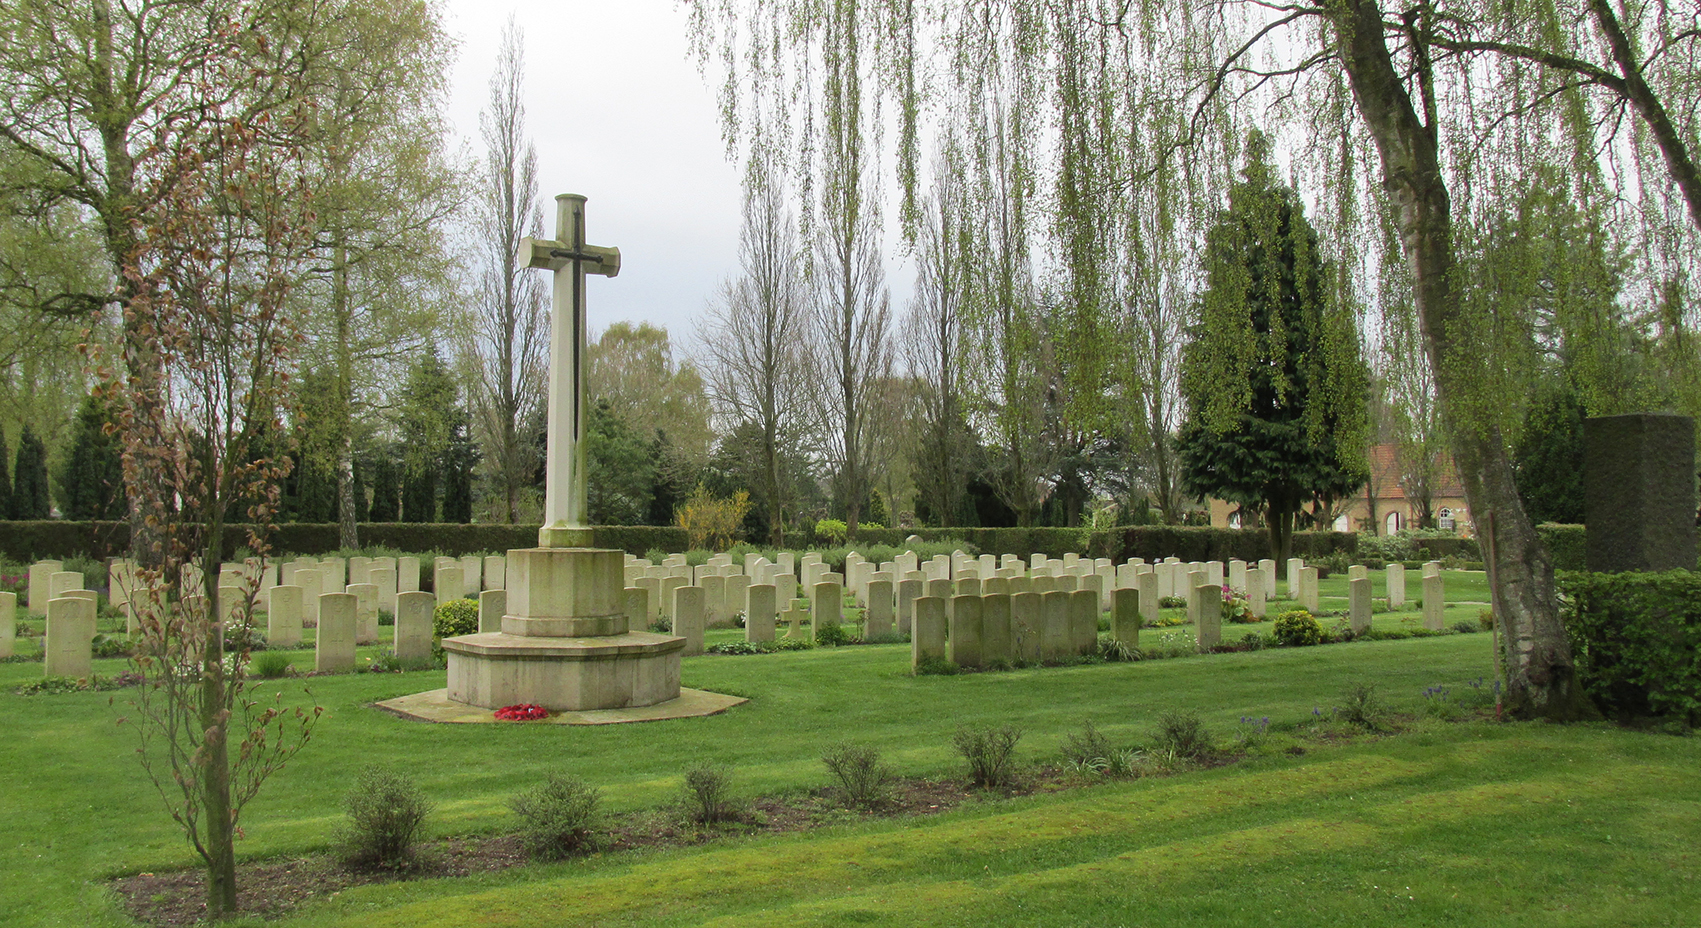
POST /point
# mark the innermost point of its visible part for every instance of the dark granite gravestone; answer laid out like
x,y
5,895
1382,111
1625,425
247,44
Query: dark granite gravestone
x,y
1639,492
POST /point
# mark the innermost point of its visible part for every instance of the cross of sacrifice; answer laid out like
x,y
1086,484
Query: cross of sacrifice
x,y
564,508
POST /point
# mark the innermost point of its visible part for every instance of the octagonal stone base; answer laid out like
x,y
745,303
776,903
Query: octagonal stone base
x,y
496,669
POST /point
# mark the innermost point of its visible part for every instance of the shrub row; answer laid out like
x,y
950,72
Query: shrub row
x,y
1636,640
29,541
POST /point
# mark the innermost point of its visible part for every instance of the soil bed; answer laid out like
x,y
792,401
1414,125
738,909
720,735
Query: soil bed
x,y
273,888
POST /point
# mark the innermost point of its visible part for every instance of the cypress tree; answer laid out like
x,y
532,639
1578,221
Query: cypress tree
x,y
29,485
419,494
5,479
458,462
91,475
386,491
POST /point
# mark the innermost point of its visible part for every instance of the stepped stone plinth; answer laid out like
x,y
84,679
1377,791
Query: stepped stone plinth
x,y
565,643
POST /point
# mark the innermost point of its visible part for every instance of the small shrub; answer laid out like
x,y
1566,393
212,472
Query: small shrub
x,y
455,617
1297,629
863,781
1252,641
1172,602
834,530
707,794
110,646
991,753
558,817
1114,650
1361,706
1183,734
1466,627
831,635
386,618
936,666
1087,751
1485,618
386,811
270,664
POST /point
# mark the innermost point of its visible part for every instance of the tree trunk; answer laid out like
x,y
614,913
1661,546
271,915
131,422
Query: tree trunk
x,y
347,532
1541,677
1279,516
220,848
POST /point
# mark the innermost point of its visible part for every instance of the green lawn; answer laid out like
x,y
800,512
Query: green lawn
x,y
1486,824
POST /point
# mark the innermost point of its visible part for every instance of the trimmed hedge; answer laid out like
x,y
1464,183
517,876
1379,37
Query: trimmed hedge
x,y
29,541
1636,640
1566,544
1152,542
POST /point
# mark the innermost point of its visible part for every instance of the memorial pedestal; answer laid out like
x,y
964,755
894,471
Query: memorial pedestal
x,y
565,643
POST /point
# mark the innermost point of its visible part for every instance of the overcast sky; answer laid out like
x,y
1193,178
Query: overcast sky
x,y
619,114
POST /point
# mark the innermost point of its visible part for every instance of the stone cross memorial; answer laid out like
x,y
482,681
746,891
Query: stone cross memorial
x,y
565,523
563,639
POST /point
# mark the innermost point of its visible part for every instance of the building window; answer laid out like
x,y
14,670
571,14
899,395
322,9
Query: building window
x,y
1393,522
1445,520
1343,524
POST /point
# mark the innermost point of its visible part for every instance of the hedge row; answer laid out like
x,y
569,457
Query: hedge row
x,y
1636,641
1151,542
29,541
1566,544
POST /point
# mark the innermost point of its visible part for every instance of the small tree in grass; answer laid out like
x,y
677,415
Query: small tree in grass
x,y
195,414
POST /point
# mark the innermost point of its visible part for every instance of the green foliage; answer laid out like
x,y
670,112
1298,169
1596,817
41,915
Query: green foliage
x,y
459,458
1182,733
455,617
707,795
558,817
386,812
1273,380
91,471
622,468
831,635
29,480
1636,640
1083,747
937,667
1361,706
430,410
1297,628
108,646
1115,649
1568,545
1547,464
991,753
833,530
5,478
386,488
269,665
861,779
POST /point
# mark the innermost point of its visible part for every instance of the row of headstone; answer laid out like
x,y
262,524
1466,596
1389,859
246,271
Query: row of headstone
x,y
980,629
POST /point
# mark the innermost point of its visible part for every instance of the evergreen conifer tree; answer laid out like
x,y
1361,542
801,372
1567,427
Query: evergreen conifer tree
x,y
386,491
91,475
29,484
458,461
1273,380
5,479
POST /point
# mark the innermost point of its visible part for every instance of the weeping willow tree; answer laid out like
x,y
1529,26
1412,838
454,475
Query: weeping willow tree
x,y
1118,135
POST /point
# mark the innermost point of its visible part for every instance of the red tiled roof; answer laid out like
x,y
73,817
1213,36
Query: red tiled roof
x,y
1385,475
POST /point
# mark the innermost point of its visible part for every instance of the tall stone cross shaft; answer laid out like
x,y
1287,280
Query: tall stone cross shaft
x,y
565,507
